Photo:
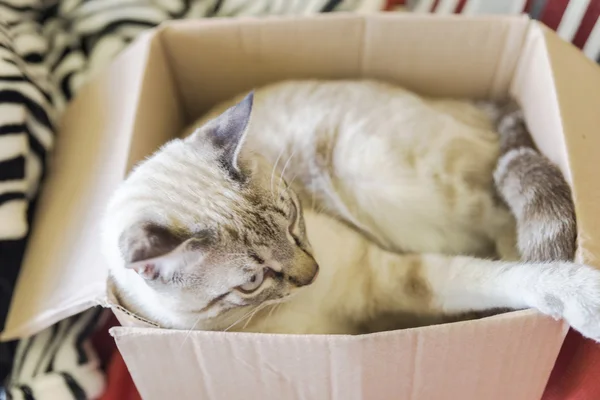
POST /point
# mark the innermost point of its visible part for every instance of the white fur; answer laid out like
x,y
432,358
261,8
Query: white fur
x,y
390,158
348,291
413,174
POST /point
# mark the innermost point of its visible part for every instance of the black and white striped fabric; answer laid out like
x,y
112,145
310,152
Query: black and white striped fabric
x,y
48,49
58,363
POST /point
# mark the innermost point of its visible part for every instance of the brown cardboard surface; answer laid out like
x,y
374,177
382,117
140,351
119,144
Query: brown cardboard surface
x,y
577,82
419,53
505,358
172,75
64,271
560,94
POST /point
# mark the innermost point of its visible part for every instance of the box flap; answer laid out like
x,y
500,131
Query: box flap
x,y
515,350
577,82
64,267
559,89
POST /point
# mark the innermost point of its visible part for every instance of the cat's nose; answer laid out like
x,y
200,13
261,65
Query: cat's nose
x,y
307,276
312,275
315,273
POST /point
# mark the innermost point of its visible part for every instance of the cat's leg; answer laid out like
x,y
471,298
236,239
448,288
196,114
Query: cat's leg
x,y
438,284
534,190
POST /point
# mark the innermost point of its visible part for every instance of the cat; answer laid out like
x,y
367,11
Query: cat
x,y
384,205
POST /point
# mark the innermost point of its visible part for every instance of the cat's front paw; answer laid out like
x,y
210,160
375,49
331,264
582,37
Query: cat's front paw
x,y
572,292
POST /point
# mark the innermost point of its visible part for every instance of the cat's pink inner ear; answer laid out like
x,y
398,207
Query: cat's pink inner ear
x,y
144,241
166,265
162,267
146,269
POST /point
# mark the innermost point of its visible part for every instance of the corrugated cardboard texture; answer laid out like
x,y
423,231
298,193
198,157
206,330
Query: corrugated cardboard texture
x,y
504,359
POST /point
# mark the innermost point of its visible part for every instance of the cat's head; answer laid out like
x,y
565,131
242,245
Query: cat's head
x,y
210,228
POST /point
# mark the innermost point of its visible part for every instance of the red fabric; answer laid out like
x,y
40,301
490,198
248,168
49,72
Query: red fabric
x,y
103,343
459,6
391,4
587,24
575,375
119,385
553,12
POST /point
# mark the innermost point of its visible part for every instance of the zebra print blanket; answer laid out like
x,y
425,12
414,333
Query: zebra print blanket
x,y
48,49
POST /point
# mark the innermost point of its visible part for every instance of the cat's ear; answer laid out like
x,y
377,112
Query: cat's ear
x,y
226,133
156,252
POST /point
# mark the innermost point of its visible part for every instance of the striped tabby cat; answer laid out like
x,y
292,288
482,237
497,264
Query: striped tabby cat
x,y
404,204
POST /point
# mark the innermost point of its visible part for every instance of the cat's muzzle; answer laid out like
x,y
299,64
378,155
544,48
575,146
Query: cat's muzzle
x,y
306,276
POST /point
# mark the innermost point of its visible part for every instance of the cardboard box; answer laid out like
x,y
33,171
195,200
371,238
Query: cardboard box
x,y
170,76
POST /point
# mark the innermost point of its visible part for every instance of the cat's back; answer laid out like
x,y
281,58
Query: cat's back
x,y
347,145
395,164
296,106
348,116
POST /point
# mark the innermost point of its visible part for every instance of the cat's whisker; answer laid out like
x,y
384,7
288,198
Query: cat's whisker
x,y
187,335
274,169
275,306
240,319
289,185
253,314
287,163
268,316
271,311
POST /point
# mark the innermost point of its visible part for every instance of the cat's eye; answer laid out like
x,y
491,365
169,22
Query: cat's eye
x,y
253,283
